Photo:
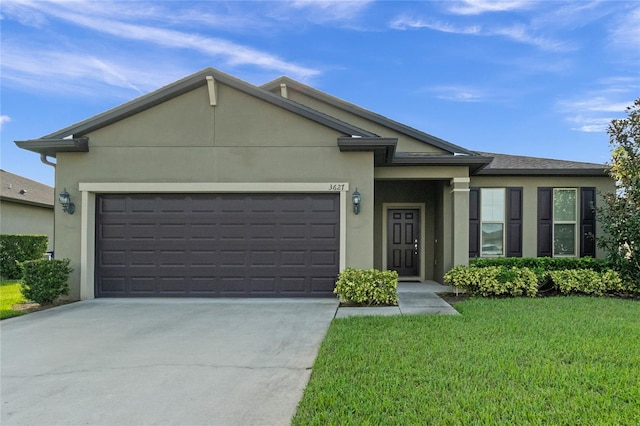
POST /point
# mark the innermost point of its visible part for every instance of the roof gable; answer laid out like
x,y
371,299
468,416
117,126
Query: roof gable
x,y
190,83
275,87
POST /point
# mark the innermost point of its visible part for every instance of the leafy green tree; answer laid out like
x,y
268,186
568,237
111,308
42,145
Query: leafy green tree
x,y
620,215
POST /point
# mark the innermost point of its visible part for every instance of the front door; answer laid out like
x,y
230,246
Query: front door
x,y
403,233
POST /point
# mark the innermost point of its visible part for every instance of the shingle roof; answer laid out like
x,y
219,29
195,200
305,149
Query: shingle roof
x,y
504,164
26,191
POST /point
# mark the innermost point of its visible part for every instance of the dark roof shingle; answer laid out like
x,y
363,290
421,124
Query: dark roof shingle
x,y
504,164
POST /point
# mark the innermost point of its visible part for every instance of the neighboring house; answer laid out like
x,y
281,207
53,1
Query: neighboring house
x,y
212,186
26,206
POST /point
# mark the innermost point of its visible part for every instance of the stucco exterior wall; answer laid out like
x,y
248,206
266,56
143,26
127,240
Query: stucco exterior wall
x,y
530,185
17,218
242,139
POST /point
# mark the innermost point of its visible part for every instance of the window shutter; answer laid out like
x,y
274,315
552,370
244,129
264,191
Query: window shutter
x,y
474,223
545,222
587,222
514,222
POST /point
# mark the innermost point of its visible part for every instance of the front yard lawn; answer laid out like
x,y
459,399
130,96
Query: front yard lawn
x,y
560,360
10,295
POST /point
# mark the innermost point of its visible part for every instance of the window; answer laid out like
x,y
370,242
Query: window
x,y
565,221
492,206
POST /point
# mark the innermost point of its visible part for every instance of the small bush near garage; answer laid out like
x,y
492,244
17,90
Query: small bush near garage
x,y
367,287
15,249
43,281
494,280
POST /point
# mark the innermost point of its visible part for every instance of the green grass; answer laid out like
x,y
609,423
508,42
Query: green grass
x,y
10,295
562,360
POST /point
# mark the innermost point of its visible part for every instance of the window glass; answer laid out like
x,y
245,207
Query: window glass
x,y
564,205
492,204
492,239
564,239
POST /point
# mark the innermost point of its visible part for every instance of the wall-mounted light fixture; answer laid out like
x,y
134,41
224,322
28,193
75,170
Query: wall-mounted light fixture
x,y
355,199
65,200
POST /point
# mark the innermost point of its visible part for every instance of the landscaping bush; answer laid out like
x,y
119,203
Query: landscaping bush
x,y
587,281
43,281
494,280
367,287
543,263
15,249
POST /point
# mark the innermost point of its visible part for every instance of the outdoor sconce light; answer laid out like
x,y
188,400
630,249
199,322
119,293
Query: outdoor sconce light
x,y
65,200
355,199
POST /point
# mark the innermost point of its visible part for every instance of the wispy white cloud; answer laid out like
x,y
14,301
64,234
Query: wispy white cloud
x,y
80,73
324,11
594,110
146,25
458,93
407,22
477,7
520,33
4,119
625,33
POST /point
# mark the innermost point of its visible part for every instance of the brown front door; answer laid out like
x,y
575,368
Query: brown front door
x,y
403,233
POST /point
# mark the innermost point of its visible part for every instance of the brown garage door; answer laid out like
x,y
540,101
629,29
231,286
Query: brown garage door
x,y
212,245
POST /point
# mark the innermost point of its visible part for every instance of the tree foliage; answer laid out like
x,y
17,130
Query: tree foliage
x,y
620,215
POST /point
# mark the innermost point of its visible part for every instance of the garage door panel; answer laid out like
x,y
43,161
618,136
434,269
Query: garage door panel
x,y
212,245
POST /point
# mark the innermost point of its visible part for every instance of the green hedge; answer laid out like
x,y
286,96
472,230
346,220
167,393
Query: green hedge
x,y
43,281
493,280
367,287
15,249
544,263
586,281
502,281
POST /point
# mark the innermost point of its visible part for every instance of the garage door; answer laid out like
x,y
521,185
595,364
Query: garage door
x,y
213,245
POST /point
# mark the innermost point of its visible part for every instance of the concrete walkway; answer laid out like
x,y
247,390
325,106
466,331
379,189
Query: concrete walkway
x,y
414,298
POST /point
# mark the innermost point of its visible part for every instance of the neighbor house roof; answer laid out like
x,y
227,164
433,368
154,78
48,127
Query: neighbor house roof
x,y
504,164
25,191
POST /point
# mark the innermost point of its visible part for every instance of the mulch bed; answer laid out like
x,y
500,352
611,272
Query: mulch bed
x,y
33,307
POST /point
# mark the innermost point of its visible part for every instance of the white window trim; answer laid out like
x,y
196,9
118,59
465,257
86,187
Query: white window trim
x,y
565,222
503,223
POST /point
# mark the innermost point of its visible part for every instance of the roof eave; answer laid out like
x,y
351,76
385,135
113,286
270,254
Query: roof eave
x,y
544,172
475,163
26,202
383,148
50,147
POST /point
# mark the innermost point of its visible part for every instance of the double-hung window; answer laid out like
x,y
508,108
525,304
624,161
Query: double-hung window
x,y
565,220
492,219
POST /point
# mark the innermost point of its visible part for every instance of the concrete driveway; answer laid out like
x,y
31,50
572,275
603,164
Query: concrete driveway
x,y
156,361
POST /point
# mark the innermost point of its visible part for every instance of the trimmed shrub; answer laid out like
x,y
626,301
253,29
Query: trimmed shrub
x,y
587,281
15,249
43,281
543,263
367,287
494,280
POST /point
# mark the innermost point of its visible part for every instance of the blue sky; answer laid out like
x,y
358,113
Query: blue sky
x,y
538,78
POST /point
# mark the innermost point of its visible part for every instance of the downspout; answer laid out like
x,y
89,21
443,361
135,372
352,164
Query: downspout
x,y
43,158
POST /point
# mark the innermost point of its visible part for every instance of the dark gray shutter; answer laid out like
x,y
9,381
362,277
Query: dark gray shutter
x,y
545,222
474,223
587,222
514,222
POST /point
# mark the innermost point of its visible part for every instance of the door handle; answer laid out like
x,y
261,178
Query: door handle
x,y
415,246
